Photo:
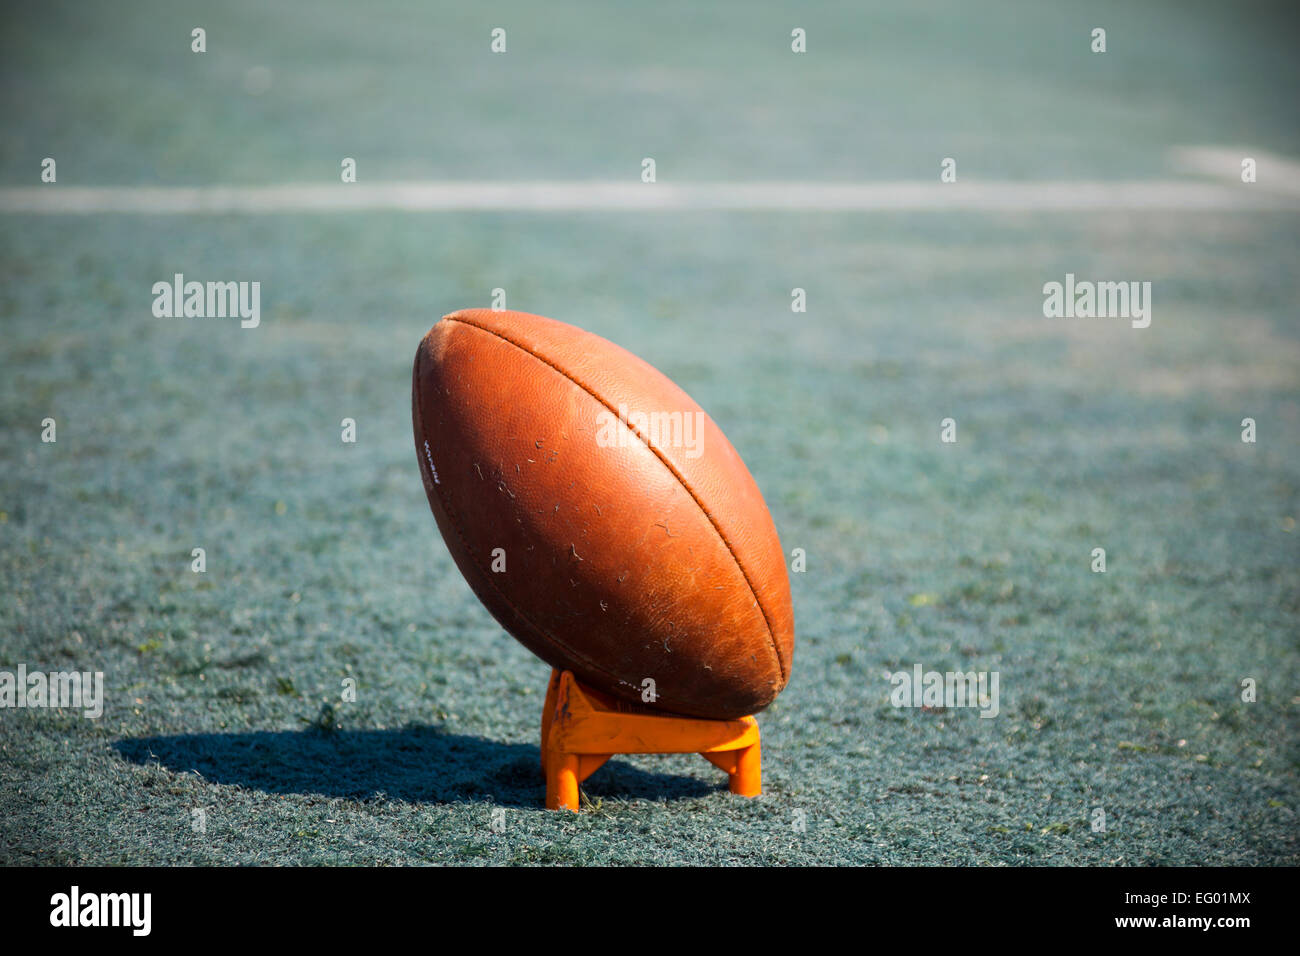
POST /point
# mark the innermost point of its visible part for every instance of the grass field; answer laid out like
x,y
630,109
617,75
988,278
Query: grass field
x,y
1119,691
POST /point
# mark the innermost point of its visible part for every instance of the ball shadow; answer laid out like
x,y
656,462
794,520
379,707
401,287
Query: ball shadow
x,y
416,763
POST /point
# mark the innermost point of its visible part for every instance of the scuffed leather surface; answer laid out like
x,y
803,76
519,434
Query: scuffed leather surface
x,y
622,563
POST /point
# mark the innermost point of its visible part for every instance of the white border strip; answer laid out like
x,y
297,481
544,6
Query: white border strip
x,y
1164,195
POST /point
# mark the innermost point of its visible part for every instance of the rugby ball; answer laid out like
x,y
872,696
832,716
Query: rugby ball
x,y
600,515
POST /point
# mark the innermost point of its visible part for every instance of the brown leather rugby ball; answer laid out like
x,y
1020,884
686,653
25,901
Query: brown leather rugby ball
x,y
600,515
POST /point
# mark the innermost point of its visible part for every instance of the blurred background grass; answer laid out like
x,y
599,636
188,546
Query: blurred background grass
x,y
1009,87
1119,691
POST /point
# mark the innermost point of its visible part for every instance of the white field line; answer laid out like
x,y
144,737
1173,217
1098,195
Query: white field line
x,y
597,196
1272,172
